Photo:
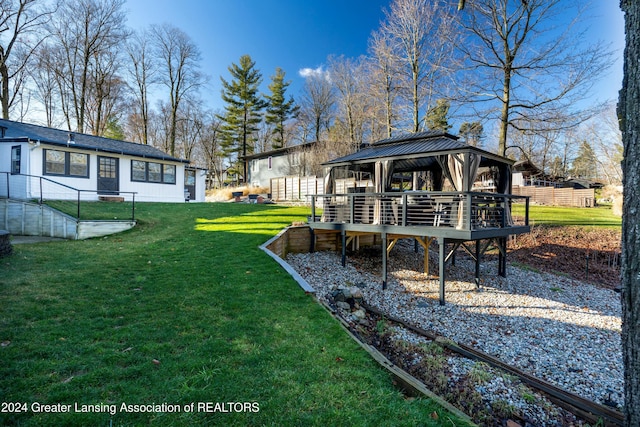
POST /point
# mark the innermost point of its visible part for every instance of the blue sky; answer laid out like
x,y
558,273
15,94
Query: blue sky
x,y
298,34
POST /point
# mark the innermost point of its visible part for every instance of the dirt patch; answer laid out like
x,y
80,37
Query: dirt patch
x,y
590,255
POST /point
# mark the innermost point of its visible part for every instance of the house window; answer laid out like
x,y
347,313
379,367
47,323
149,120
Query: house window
x,y
66,163
169,174
138,170
15,159
295,159
153,172
269,162
78,164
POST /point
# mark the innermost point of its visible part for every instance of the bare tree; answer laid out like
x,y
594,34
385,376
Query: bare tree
x,y
107,90
190,128
526,69
603,132
44,77
422,33
629,114
347,76
384,78
141,70
19,37
316,105
179,71
211,149
88,34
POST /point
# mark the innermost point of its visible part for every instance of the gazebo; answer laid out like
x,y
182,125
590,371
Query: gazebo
x,y
421,186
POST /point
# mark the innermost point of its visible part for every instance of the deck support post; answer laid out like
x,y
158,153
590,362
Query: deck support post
x,y
343,236
312,240
384,260
478,255
441,262
502,256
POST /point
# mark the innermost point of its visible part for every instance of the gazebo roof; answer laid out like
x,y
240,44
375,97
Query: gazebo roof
x,y
412,151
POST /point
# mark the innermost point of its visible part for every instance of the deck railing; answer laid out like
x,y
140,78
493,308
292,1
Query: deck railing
x,y
461,210
67,199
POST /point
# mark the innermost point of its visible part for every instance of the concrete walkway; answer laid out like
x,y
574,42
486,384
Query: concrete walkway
x,y
18,240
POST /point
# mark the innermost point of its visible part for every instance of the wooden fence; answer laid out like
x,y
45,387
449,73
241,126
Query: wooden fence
x,y
295,188
584,198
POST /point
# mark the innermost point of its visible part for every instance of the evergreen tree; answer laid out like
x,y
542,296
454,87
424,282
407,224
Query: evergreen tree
x,y
242,113
472,133
585,165
437,116
279,110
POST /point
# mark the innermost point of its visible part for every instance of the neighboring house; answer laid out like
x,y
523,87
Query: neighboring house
x,y
98,166
262,167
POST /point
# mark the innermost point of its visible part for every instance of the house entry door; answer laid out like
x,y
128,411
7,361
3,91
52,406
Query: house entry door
x,y
190,183
108,175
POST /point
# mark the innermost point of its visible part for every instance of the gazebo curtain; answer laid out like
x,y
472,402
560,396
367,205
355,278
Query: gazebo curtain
x,y
454,167
504,187
328,189
383,171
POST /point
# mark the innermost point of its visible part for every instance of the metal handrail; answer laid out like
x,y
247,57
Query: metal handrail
x,y
41,196
463,210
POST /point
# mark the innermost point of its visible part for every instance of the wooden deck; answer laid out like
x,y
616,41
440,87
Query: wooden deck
x,y
451,218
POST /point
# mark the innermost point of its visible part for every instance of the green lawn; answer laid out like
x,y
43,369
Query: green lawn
x,y
601,216
182,309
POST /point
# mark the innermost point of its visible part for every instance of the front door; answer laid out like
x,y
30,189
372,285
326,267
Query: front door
x,y
190,183
108,177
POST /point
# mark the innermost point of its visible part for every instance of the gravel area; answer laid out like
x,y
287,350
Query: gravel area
x,y
562,330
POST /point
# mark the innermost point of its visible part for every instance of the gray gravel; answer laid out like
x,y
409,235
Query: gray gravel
x,y
564,331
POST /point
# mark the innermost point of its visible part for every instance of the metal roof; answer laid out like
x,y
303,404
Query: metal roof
x,y
16,131
424,144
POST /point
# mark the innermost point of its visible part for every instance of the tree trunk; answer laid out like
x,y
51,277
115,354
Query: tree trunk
x,y
504,114
4,75
629,115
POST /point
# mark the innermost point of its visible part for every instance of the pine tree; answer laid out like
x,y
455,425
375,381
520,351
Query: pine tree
x,y
279,110
472,133
243,111
437,116
585,165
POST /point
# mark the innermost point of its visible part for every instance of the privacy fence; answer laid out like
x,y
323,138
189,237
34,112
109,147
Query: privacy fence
x,y
296,188
584,198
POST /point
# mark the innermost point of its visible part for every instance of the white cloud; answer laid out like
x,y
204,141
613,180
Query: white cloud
x,y
313,72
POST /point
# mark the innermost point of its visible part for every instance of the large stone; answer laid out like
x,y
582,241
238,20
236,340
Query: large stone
x,y
356,293
343,305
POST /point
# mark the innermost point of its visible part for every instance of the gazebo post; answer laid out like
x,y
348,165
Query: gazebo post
x,y
384,259
477,264
502,256
441,262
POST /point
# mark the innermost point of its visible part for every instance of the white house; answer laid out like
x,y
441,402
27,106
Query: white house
x,y
262,167
98,166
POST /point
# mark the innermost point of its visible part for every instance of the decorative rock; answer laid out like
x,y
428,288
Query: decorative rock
x,y
338,295
343,305
359,314
569,338
356,293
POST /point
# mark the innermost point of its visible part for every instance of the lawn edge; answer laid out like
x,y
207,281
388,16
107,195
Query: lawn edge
x,y
408,383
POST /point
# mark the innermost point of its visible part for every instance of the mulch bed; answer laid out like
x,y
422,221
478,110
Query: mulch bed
x,y
564,250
